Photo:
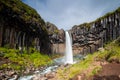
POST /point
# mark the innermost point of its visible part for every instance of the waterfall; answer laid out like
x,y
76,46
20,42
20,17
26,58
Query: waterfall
x,y
68,52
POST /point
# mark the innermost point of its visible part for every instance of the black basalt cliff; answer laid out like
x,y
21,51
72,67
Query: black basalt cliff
x,y
89,37
56,37
21,27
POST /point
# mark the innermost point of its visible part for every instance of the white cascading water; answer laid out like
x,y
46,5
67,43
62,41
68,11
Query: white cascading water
x,y
68,52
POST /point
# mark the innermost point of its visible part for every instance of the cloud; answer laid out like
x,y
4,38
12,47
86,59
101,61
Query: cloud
x,y
66,13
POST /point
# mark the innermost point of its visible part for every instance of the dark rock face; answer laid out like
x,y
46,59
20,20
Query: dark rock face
x,y
56,37
21,27
88,37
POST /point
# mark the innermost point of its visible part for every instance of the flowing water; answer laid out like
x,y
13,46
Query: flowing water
x,y
68,52
57,63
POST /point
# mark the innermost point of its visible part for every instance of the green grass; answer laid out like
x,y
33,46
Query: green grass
x,y
19,61
94,71
111,53
76,68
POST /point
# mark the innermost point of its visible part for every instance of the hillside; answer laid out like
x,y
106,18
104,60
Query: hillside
x,y
101,65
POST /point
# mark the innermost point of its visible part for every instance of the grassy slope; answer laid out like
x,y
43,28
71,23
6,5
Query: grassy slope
x,y
91,65
18,61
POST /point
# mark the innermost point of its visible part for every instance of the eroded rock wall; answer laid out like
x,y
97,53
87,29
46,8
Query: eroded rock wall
x,y
21,27
57,38
88,37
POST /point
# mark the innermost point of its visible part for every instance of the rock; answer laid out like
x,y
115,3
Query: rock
x,y
15,77
66,65
50,75
5,77
51,28
12,73
38,77
79,77
32,68
33,27
119,76
104,63
61,66
101,49
96,33
27,71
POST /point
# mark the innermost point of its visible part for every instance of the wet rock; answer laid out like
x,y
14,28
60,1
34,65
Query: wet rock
x,y
15,77
32,68
61,66
12,73
66,65
79,77
50,75
27,71
5,77
38,77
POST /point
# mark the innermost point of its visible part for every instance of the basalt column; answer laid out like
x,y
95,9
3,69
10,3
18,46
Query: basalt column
x,y
1,33
12,38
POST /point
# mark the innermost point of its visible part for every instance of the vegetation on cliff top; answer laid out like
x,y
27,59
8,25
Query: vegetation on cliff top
x,y
22,12
22,9
110,54
88,25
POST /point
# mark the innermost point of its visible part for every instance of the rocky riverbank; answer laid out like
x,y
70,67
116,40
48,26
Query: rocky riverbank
x,y
15,74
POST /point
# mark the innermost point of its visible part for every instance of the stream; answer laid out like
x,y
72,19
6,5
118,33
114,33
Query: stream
x,y
56,63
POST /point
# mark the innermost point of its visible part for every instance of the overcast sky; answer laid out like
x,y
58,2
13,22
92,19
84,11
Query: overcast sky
x,y
67,13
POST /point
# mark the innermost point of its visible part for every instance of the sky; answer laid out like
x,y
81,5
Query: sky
x,y
67,13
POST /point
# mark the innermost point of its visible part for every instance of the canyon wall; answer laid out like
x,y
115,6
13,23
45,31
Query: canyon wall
x,y
88,37
21,27
56,37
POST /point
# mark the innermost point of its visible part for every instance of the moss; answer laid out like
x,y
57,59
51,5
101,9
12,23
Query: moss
x,y
95,71
87,25
3,66
24,60
56,31
21,8
25,13
118,10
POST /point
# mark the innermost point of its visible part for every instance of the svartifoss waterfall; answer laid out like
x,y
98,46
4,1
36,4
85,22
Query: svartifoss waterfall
x,y
68,52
